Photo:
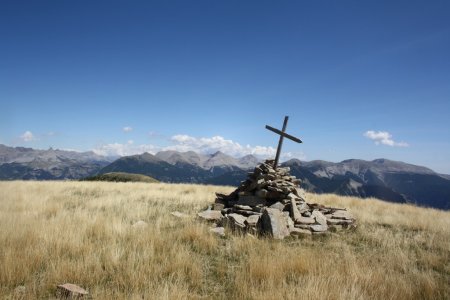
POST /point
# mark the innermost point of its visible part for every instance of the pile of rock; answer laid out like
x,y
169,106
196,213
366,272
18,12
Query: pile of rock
x,y
270,202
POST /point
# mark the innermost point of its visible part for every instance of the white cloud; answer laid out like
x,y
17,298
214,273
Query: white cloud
x,y
127,129
117,149
384,138
27,136
218,143
203,145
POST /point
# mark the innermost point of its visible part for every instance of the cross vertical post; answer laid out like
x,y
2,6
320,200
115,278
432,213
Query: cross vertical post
x,y
283,135
280,142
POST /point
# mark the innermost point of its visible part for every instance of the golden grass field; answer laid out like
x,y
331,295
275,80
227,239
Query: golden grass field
x,y
81,232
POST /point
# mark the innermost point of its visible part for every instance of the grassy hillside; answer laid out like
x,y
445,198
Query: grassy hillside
x,y
121,177
82,233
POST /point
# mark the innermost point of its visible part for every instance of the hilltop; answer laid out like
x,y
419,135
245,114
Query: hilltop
x,y
83,233
121,177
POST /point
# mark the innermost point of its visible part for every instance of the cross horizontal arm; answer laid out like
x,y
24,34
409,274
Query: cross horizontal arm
x,y
293,138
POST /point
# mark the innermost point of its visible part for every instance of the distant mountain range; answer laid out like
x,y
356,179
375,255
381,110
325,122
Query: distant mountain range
x,y
381,178
28,163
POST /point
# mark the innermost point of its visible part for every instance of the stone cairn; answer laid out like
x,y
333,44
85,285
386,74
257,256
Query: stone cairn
x,y
271,203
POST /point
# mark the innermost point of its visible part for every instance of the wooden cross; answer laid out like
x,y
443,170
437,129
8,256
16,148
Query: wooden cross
x,y
282,134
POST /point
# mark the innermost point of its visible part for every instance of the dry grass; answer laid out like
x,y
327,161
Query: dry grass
x,y
80,232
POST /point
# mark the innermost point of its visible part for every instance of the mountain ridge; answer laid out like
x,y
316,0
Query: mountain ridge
x,y
381,178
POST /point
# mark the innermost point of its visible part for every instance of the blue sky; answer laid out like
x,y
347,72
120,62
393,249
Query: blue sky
x,y
359,79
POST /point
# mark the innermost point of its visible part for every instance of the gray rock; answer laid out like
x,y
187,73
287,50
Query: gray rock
x,y
242,207
305,220
218,230
319,217
71,291
20,291
303,226
295,214
278,205
237,219
319,228
273,223
252,220
210,215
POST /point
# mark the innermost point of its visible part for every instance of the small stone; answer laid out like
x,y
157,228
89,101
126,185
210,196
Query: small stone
x,y
69,290
20,291
242,207
178,214
278,205
210,215
218,230
320,218
319,228
140,224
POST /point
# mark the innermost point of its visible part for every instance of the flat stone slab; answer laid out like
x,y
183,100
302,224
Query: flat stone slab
x,y
305,220
242,207
319,228
238,219
300,232
252,220
295,213
210,215
71,291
